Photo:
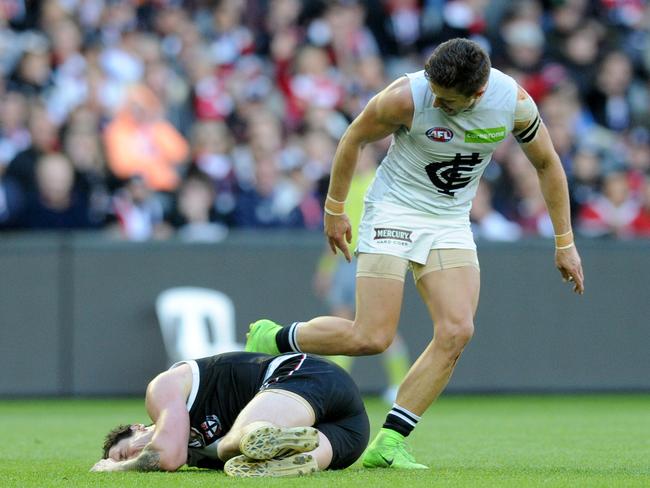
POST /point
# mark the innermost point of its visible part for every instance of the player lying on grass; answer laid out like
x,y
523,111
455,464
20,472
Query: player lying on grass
x,y
246,413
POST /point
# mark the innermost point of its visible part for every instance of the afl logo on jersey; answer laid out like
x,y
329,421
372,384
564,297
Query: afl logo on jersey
x,y
440,134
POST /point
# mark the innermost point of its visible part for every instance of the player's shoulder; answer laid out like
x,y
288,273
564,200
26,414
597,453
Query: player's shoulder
x,y
398,92
168,390
175,381
501,85
395,102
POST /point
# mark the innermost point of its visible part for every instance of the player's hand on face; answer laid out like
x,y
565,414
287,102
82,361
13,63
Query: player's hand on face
x,y
339,233
570,267
104,465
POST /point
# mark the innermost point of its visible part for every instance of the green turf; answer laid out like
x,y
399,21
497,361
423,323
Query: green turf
x,y
469,441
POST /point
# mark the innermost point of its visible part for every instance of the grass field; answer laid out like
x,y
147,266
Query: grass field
x,y
469,441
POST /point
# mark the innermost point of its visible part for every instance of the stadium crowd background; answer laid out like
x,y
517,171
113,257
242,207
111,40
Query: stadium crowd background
x,y
147,119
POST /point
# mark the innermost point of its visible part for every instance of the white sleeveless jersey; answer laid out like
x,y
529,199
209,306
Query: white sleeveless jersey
x,y
435,166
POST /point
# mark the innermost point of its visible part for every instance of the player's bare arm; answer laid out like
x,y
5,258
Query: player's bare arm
x,y
384,114
165,403
534,139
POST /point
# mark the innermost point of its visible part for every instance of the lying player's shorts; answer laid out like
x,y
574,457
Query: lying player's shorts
x,y
335,399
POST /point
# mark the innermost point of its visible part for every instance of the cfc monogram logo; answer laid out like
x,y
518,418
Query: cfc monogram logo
x,y
448,176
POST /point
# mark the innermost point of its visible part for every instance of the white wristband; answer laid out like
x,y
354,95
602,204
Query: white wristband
x,y
329,212
568,246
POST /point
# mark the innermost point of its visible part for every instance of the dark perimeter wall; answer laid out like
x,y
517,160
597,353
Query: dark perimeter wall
x,y
77,312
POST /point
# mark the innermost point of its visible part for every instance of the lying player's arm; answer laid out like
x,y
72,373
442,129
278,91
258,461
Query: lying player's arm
x,y
535,141
167,450
147,460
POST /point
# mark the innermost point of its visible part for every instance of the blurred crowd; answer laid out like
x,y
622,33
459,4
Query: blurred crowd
x,y
153,118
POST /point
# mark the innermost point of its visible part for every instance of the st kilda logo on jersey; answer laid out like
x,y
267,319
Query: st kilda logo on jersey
x,y
450,176
207,432
440,134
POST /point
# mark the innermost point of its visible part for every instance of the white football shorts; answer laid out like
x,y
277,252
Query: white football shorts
x,y
399,231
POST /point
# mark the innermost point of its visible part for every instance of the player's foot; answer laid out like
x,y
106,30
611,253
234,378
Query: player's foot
x,y
268,441
261,337
296,465
388,450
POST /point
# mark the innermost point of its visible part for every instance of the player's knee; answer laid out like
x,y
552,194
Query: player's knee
x,y
454,336
369,344
377,345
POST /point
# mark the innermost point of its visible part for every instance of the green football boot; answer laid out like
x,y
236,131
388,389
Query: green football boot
x,y
388,450
261,337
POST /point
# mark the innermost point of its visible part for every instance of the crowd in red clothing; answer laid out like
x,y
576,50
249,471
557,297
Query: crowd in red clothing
x,y
154,118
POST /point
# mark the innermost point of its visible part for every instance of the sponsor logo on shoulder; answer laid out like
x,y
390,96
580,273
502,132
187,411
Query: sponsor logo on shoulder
x,y
385,233
440,134
486,136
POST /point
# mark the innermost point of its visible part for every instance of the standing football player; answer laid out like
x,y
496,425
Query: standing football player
x,y
446,121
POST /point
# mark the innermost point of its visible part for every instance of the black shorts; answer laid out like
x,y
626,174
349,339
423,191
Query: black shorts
x,y
335,398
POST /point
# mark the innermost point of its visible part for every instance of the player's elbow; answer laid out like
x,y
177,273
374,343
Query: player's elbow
x,y
171,464
172,460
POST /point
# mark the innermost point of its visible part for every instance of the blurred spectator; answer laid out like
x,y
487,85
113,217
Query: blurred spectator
x,y
350,39
584,182
229,37
14,135
315,82
44,138
319,150
487,223
363,83
397,26
12,202
254,94
56,204
640,226
140,142
212,100
637,150
196,219
578,53
83,146
32,75
612,212
530,210
212,146
139,213
609,99
270,203
69,70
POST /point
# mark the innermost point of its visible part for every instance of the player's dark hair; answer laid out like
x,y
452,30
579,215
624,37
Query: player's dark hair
x,y
115,435
460,64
